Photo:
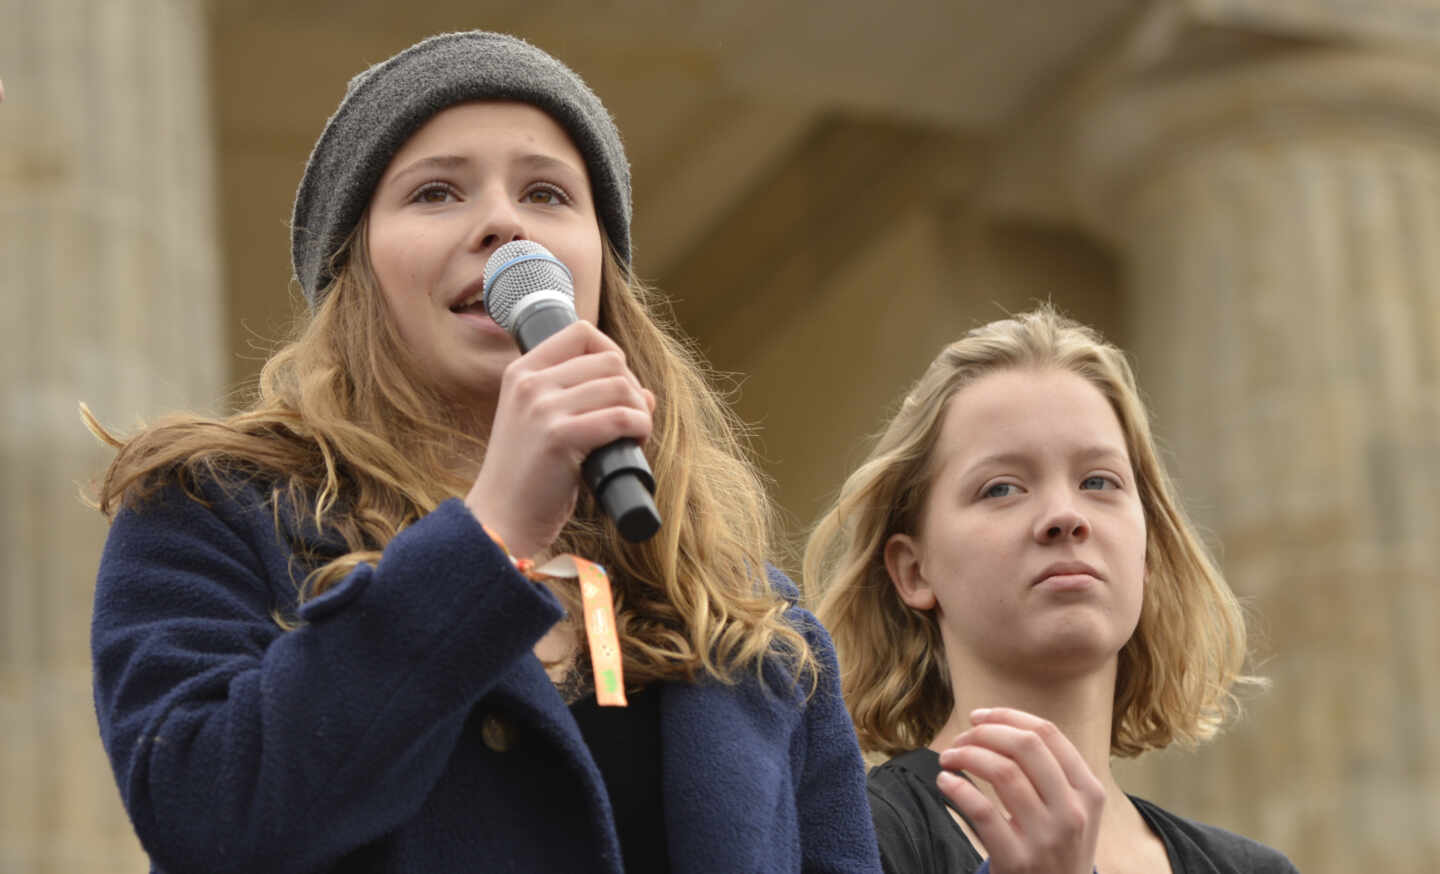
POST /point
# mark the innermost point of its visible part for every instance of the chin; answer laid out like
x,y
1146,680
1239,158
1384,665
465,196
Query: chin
x,y
1077,651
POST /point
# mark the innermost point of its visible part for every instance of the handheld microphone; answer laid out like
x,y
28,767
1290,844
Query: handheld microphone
x,y
530,294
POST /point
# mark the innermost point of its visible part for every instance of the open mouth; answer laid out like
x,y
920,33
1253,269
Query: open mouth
x,y
474,308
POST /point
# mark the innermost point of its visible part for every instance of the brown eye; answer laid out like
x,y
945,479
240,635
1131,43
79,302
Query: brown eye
x,y
545,195
433,193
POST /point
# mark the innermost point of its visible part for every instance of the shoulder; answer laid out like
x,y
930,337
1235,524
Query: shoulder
x,y
192,489
800,618
1225,850
898,813
902,785
184,504
781,584
237,498
913,827
204,533
180,538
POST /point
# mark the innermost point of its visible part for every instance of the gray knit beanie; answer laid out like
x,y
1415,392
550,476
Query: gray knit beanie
x,y
386,104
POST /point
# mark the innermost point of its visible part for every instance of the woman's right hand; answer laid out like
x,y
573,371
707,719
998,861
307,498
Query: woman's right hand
x,y
1050,821
569,395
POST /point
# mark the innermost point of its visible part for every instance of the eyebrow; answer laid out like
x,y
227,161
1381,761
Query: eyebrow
x,y
452,162
1084,453
436,162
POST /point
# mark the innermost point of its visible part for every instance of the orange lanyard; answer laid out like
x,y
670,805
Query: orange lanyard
x,y
599,609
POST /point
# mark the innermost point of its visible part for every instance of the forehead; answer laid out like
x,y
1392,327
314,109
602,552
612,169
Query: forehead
x,y
1028,411
490,124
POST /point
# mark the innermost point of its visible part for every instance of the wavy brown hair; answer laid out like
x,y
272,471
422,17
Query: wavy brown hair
x,y
1177,670
343,431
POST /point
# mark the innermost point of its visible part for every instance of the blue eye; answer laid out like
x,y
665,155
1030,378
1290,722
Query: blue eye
x,y
1098,482
1001,490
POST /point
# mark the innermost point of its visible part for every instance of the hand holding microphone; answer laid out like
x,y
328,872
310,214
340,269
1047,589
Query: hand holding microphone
x,y
571,404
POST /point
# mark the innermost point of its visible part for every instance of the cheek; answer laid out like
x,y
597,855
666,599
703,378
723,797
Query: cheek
x,y
386,260
1141,570
582,254
967,574
402,261
1136,534
587,300
1142,549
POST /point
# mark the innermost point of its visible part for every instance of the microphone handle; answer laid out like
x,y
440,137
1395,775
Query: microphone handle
x,y
617,473
538,322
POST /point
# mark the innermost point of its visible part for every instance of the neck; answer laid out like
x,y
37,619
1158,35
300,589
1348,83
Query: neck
x,y
474,412
473,416
1081,706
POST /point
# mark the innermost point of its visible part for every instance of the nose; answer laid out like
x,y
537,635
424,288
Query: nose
x,y
1060,522
497,222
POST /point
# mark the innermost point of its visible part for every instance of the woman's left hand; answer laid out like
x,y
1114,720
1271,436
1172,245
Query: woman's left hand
x,y
1050,820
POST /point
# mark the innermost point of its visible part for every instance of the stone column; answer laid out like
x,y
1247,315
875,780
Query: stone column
x,y
1280,225
111,288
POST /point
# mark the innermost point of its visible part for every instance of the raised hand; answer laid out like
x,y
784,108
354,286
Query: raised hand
x,y
1048,819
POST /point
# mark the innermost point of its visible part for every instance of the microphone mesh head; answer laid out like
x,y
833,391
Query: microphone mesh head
x,y
517,270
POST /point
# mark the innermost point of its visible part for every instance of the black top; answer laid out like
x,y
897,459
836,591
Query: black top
x,y
917,835
625,742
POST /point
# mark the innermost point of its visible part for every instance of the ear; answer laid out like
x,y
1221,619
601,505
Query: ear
x,y
902,562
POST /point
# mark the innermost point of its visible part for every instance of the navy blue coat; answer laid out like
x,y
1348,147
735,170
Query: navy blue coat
x,y
407,725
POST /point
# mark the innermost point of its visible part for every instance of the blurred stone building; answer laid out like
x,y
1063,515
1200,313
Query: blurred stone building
x,y
1245,193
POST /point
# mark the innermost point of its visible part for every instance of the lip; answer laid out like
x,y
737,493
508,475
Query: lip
x,y
480,321
469,291
1068,575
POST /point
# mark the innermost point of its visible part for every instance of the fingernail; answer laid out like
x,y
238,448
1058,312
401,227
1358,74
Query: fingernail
x,y
980,713
946,779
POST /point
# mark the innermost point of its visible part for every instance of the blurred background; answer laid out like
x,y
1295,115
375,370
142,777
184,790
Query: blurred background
x,y
1243,193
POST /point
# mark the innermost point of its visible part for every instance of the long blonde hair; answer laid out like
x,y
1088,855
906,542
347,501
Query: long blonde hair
x,y
342,432
1176,671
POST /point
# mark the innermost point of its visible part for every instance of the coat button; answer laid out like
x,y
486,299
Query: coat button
x,y
497,732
